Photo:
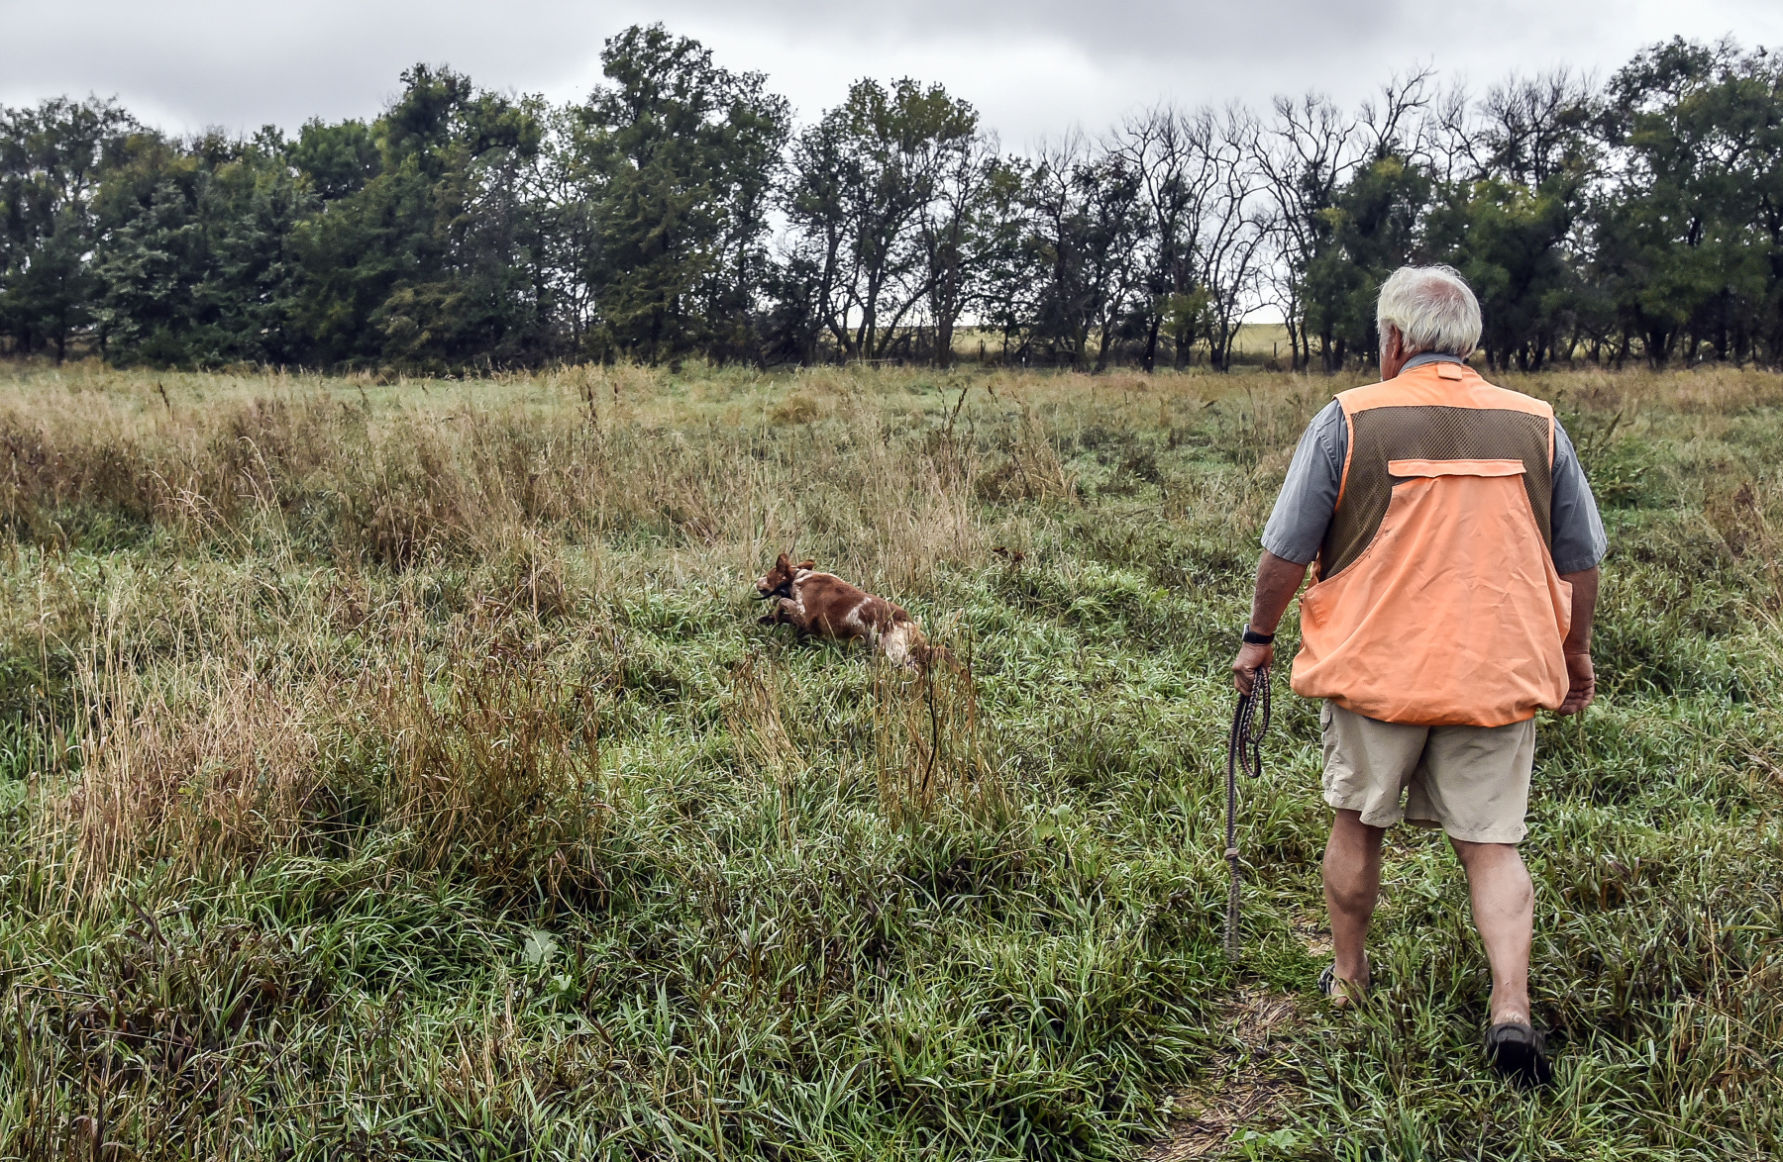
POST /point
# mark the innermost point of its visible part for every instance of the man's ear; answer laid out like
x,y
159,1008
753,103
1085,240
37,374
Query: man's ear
x,y
1392,343
808,564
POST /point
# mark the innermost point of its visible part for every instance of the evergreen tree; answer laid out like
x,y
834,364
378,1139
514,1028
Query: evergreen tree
x,y
53,161
678,158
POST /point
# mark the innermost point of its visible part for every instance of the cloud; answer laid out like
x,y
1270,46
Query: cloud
x,y
1033,67
244,64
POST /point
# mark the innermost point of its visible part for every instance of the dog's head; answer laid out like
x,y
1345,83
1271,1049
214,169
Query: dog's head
x,y
777,582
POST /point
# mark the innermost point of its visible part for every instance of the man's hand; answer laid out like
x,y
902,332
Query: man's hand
x,y
1250,659
1581,684
1278,579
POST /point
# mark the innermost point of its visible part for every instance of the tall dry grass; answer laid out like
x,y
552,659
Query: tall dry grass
x,y
491,756
221,703
215,777
335,478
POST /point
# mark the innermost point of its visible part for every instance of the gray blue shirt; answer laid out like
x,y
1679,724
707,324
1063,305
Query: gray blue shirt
x,y
1308,497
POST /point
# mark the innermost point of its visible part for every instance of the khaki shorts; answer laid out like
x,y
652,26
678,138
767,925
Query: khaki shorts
x,y
1472,781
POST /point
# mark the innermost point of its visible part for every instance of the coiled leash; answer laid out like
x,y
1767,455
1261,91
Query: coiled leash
x,y
1244,751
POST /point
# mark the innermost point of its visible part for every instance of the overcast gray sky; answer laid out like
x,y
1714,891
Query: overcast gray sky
x,y
1033,67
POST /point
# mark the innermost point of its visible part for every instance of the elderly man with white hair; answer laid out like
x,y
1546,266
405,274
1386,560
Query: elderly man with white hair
x,y
1454,544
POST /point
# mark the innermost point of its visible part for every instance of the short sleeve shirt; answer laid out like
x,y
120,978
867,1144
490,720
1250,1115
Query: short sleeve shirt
x,y
1308,497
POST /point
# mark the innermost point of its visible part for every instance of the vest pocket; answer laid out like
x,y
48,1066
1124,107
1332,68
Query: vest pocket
x,y
1408,469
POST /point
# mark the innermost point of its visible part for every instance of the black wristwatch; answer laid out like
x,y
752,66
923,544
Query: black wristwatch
x,y
1253,638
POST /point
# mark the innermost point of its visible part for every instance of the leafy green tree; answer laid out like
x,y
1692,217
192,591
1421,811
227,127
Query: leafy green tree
x,y
53,159
1008,271
1370,229
1507,241
336,160
192,265
1690,238
378,232
1510,218
425,246
678,158
1088,221
955,231
886,185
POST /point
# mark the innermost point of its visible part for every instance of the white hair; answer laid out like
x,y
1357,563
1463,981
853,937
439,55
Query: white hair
x,y
1432,308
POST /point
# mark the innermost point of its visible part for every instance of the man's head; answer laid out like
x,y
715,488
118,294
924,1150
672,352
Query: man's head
x,y
1425,309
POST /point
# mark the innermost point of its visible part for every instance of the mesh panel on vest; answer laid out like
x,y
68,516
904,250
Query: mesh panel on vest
x,y
1379,435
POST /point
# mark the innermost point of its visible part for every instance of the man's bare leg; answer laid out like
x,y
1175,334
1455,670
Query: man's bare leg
x,y
1352,885
1504,912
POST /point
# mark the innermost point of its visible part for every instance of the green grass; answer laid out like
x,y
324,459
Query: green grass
x,y
398,771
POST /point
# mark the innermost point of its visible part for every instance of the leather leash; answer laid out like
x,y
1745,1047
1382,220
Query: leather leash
x,y
1244,751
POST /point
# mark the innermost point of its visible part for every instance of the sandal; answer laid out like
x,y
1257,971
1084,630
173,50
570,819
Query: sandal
x,y
1341,993
1519,1054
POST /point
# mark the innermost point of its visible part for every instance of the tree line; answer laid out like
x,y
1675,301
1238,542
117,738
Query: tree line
x,y
679,212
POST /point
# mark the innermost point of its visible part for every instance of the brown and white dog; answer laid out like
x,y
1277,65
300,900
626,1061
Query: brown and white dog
x,y
825,605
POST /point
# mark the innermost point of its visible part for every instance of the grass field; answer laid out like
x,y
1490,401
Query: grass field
x,y
399,772
1255,345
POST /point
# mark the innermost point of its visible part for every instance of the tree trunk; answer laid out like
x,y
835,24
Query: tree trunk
x,y
1150,359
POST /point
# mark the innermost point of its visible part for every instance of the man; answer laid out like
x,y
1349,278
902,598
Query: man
x,y
1456,546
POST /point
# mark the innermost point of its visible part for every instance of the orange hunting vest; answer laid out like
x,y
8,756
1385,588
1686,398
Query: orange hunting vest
x,y
1435,600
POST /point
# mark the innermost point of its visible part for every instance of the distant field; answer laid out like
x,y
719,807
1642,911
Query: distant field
x,y
399,772
1264,339
1255,341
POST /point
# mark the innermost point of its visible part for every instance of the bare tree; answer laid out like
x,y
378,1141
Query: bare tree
x,y
951,230
1308,154
1176,178
1396,123
1234,228
1303,158
1534,129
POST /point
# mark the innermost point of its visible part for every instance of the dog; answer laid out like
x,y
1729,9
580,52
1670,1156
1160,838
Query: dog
x,y
825,605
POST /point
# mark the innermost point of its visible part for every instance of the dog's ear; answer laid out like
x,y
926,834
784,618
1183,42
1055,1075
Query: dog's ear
x,y
808,564
783,562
